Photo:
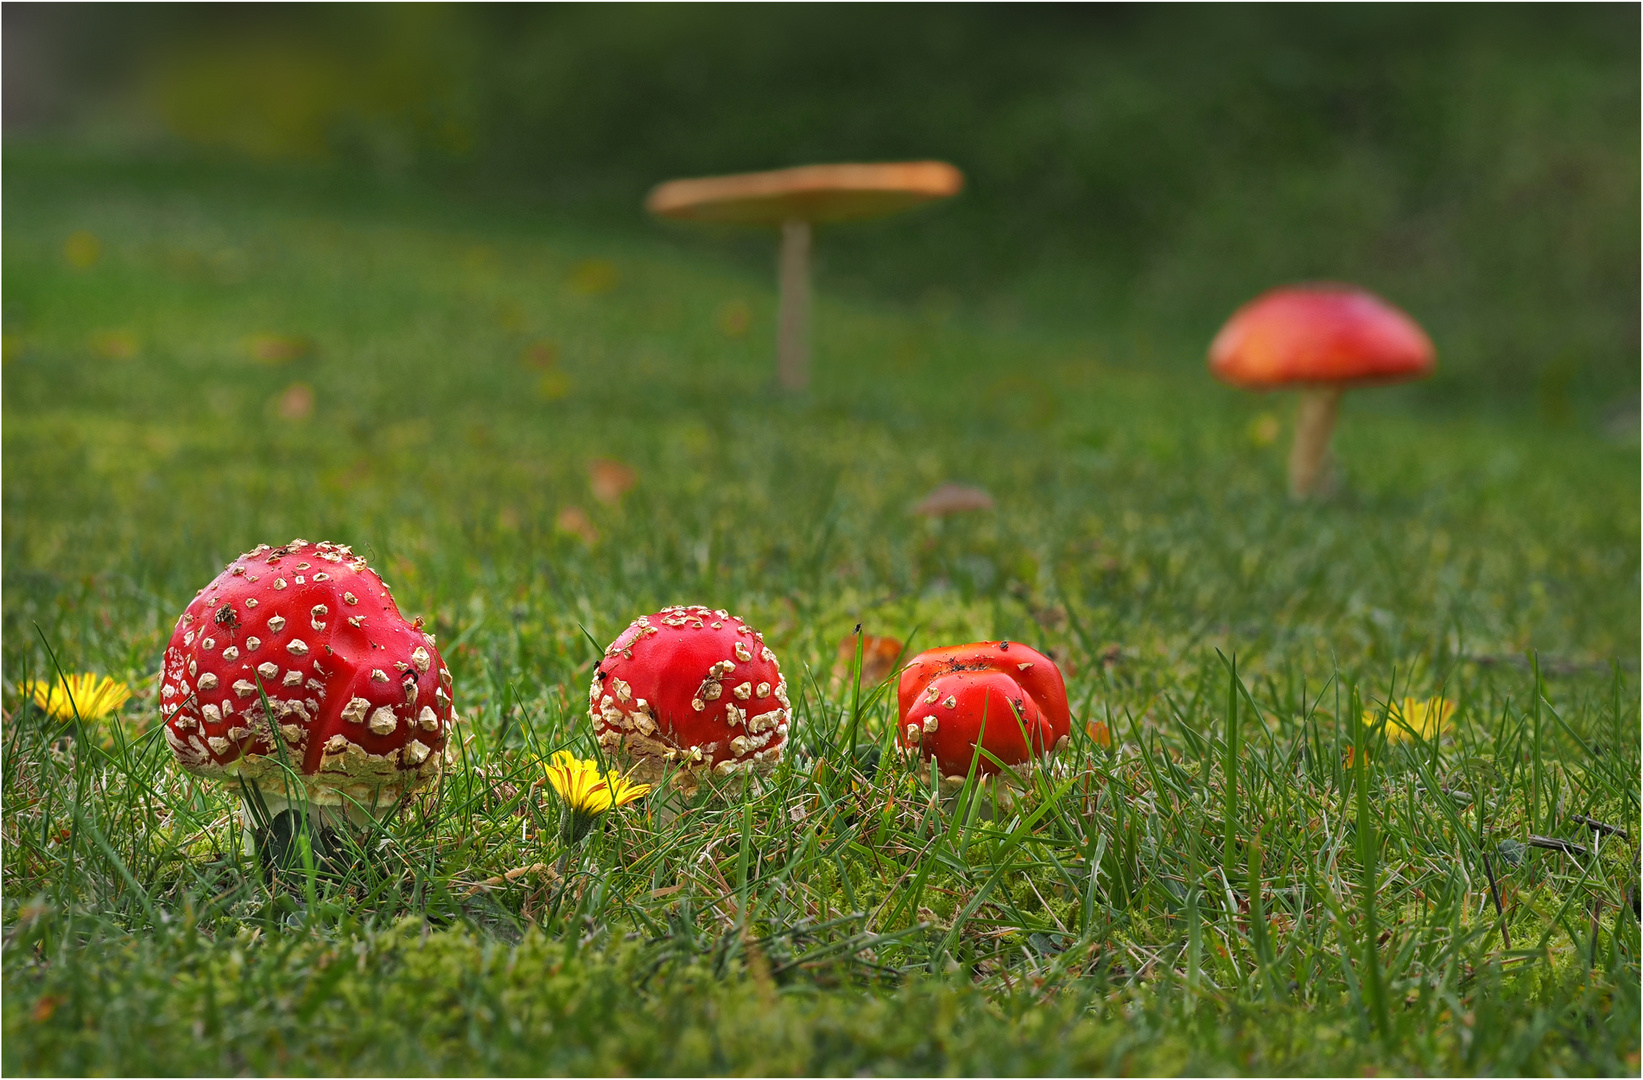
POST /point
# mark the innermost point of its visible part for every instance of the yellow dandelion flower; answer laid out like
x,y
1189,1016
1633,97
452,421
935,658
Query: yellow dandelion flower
x,y
1412,718
93,696
587,793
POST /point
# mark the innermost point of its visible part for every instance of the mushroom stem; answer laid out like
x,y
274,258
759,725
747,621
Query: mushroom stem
x,y
337,816
1309,457
793,327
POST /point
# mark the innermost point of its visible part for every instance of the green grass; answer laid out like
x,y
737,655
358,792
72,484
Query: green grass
x,y
1218,892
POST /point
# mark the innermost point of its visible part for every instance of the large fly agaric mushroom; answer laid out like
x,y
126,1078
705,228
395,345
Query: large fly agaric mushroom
x,y
358,700
1321,338
796,200
692,688
947,694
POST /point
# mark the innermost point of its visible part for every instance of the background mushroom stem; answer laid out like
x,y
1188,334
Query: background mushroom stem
x,y
793,325
1309,457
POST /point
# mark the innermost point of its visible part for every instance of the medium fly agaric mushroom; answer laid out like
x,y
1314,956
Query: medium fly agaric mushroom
x,y
796,200
947,694
693,688
1321,338
358,699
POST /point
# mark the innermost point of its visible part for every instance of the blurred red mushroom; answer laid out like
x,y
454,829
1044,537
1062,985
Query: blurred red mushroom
x,y
610,480
1321,338
358,702
948,694
690,688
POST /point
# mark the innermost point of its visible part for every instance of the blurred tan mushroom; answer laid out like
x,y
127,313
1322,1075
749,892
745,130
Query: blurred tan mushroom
x,y
878,658
796,200
574,521
296,402
953,499
278,348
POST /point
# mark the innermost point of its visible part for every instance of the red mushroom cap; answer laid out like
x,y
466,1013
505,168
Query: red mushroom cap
x,y
945,693
693,687
1319,334
361,697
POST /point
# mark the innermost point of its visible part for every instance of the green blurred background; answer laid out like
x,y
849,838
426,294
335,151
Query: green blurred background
x,y
1135,173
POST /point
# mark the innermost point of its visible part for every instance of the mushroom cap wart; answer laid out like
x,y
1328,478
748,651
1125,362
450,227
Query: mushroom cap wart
x,y
1311,334
694,688
813,193
358,697
946,694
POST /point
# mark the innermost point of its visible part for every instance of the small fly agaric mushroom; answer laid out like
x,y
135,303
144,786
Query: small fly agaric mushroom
x,y
1322,338
358,699
796,199
947,694
693,688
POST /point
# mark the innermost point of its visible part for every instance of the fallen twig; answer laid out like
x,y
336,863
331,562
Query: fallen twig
x,y
1601,827
1568,847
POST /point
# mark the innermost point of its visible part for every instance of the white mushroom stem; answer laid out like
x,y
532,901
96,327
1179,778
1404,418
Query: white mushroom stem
x,y
793,321
1309,457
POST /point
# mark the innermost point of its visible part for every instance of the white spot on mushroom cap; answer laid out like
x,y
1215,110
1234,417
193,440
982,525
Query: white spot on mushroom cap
x,y
420,658
268,669
428,719
252,644
354,712
279,583
378,675
383,721
276,623
244,688
292,677
208,681
297,647
231,653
